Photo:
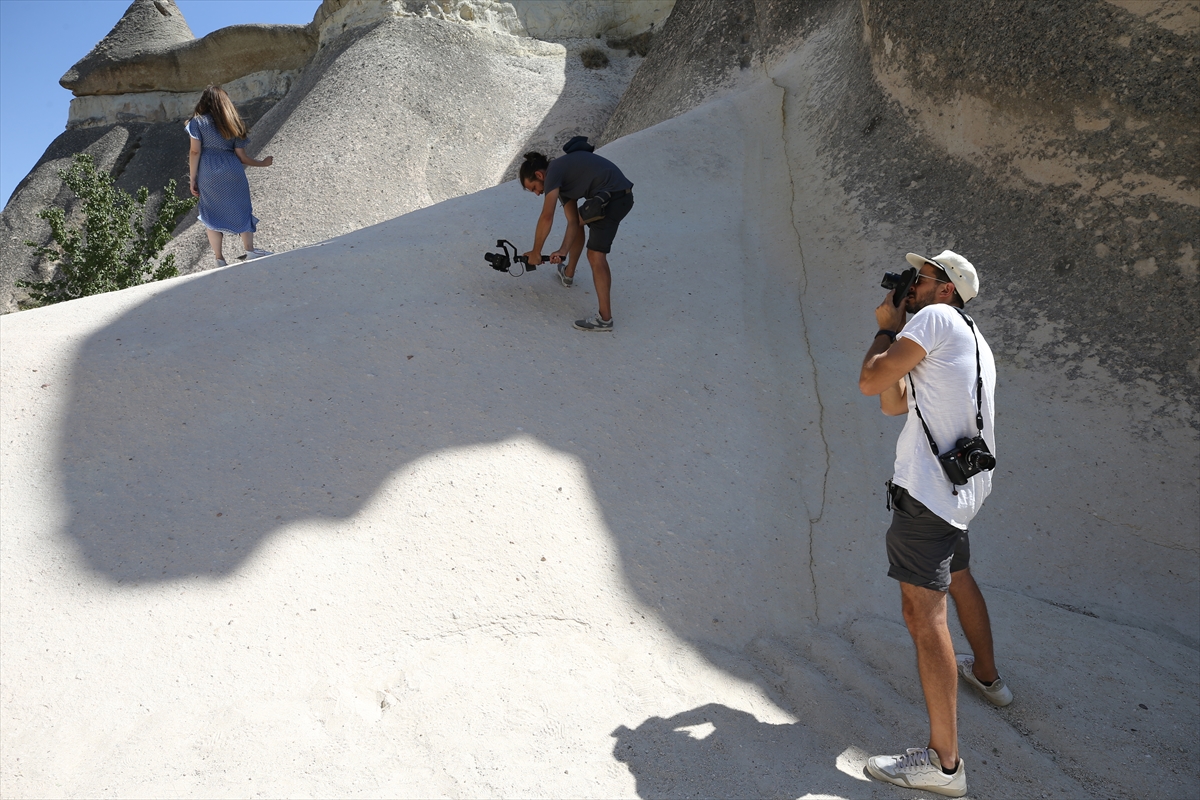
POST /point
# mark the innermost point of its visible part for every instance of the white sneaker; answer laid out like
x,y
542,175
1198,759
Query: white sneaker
x,y
222,262
997,694
257,253
919,768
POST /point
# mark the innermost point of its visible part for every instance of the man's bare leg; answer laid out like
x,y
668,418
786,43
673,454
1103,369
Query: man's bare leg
x,y
925,615
976,624
573,257
602,278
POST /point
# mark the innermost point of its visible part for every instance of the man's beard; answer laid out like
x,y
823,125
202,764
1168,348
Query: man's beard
x,y
913,304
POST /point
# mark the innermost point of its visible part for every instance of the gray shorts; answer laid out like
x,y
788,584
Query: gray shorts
x,y
603,231
923,549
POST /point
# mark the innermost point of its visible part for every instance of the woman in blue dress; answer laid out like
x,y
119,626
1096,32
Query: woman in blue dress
x,y
218,164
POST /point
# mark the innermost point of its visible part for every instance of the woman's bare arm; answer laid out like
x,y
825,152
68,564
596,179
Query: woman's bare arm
x,y
250,162
193,165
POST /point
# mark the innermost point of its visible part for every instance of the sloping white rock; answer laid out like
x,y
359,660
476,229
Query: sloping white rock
x,y
280,528
444,110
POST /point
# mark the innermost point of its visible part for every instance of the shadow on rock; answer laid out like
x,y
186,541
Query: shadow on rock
x,y
717,751
233,405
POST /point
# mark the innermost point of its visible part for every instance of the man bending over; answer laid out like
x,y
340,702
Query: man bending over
x,y
579,175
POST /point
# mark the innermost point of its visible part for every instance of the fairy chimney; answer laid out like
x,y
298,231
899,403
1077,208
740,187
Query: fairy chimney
x,y
148,26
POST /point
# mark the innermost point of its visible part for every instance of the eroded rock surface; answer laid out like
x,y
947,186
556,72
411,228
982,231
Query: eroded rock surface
x,y
147,27
223,55
362,512
159,81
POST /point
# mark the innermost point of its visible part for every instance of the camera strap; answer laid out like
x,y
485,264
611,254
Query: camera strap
x,y
978,389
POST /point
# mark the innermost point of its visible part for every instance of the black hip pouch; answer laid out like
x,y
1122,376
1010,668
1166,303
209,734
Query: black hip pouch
x,y
594,207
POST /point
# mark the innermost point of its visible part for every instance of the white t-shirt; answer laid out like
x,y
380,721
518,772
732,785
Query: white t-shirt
x,y
944,386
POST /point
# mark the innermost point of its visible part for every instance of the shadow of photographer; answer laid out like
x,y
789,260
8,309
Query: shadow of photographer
x,y
717,751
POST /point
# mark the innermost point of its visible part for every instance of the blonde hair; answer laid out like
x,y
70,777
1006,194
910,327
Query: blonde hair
x,y
216,103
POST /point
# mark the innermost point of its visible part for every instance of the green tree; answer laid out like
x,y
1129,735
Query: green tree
x,y
113,248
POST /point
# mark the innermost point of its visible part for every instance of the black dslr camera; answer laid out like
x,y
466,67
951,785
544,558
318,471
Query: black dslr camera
x,y
969,457
511,263
900,284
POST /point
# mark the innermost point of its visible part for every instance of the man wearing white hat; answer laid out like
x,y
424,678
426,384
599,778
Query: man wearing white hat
x,y
937,369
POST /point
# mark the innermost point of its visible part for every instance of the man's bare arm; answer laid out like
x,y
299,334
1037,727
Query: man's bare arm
x,y
889,359
883,372
574,227
544,224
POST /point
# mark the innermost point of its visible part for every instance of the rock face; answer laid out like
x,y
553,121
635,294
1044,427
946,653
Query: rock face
x,y
223,55
147,27
447,109
536,94
375,507
1056,149
541,19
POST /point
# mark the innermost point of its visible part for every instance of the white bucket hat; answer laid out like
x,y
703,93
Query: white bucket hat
x,y
960,271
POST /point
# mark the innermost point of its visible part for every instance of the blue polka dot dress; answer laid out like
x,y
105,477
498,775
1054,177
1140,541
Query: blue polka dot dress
x,y
221,179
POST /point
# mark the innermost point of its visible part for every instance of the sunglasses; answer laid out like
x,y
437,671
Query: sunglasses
x,y
921,275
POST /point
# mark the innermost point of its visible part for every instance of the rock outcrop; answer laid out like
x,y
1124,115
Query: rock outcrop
x,y
150,69
1070,128
222,56
146,28
370,514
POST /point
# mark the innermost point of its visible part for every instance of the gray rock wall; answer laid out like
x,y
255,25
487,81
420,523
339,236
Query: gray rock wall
x,y
1062,169
704,47
1057,140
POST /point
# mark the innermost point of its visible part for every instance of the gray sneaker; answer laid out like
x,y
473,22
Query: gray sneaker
x,y
997,694
594,324
919,768
256,253
562,276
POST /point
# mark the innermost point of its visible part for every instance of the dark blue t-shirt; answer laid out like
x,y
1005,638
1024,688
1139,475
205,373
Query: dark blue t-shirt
x,y
581,174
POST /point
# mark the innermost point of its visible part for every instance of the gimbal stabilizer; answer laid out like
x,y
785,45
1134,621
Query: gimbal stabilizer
x,y
511,263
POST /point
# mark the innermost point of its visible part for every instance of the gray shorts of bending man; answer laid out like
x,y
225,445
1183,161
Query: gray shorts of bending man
x,y
579,175
933,367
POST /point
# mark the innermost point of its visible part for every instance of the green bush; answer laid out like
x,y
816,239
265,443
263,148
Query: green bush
x,y
113,249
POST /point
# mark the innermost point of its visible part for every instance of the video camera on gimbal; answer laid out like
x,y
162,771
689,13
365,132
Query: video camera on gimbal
x,y
511,263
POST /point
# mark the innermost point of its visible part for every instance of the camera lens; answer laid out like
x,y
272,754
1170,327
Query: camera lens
x,y
981,460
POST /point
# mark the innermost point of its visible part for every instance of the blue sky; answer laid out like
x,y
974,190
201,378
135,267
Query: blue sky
x,y
41,39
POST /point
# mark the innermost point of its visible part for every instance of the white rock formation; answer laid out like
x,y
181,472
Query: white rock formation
x,y
446,109
542,19
383,524
109,109
369,518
